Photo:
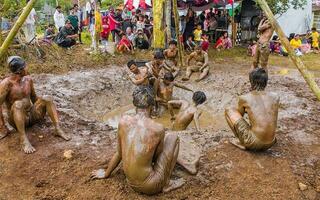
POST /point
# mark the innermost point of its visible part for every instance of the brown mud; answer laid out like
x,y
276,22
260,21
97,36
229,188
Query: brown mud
x,y
90,101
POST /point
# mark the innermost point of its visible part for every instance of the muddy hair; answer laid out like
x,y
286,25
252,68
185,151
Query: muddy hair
x,y
158,55
258,79
173,42
168,76
130,63
143,97
199,97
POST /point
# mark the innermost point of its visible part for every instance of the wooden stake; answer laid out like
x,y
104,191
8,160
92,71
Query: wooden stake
x,y
308,77
177,25
25,13
168,20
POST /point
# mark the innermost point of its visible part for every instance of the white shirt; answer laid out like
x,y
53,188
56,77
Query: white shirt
x,y
31,19
59,20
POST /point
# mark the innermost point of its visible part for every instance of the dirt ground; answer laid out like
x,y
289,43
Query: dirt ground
x,y
90,88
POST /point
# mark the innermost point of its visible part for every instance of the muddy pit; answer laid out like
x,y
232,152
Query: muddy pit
x,y
90,104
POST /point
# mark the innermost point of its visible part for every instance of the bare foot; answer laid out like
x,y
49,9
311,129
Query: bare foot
x,y
59,132
173,185
185,78
236,143
190,167
28,148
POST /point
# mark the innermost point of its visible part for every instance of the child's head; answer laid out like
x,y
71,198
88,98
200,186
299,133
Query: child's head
x,y
141,18
173,44
296,36
314,29
199,97
199,26
168,78
225,34
51,27
132,66
190,38
158,57
258,79
205,37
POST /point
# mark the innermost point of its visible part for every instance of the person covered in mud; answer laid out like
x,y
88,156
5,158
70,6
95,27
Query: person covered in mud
x,y
148,155
139,75
262,109
155,67
202,64
165,90
171,56
25,107
265,30
188,112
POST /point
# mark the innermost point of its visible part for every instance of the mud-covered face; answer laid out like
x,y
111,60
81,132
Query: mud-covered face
x,y
134,69
167,82
198,50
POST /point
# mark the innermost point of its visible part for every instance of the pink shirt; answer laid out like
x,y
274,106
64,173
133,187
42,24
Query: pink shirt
x,y
112,23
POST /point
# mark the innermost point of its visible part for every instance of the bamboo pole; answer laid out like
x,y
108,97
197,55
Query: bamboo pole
x,y
308,77
25,13
168,20
158,24
233,27
177,25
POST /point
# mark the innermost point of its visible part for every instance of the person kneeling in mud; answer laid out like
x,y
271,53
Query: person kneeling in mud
x,y
165,90
188,112
25,107
139,75
262,109
147,154
202,64
171,56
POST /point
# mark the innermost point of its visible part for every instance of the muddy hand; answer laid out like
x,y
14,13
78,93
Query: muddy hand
x,y
98,174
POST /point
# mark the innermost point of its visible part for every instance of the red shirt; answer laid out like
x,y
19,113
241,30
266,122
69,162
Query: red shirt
x,y
125,41
112,22
205,45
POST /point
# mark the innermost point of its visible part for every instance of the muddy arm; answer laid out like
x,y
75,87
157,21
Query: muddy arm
x,y
4,90
182,87
190,58
33,96
241,106
206,61
116,159
159,149
196,120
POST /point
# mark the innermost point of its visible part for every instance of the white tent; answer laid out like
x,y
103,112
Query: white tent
x,y
297,21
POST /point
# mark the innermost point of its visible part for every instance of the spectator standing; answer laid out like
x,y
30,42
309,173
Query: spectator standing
x,y
79,15
190,19
73,18
29,28
58,17
113,24
315,39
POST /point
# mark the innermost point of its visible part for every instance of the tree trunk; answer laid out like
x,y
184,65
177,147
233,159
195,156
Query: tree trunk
x,y
168,20
177,26
158,24
26,11
285,42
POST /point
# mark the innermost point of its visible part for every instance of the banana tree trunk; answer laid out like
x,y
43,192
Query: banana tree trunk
x,y
158,24
308,77
26,11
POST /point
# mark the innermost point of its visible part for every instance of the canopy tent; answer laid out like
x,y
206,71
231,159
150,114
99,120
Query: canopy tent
x,y
296,21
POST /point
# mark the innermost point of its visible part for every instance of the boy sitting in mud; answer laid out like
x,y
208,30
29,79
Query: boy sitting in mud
x,y
188,112
25,107
148,155
262,109
171,56
202,64
139,75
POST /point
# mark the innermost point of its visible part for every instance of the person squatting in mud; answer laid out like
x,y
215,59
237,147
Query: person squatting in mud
x,y
262,109
165,90
201,65
262,53
25,107
171,56
148,155
188,112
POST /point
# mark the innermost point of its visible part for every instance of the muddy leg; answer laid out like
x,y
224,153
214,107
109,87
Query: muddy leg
x,y
188,74
256,58
3,131
204,73
46,105
19,119
171,151
232,116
